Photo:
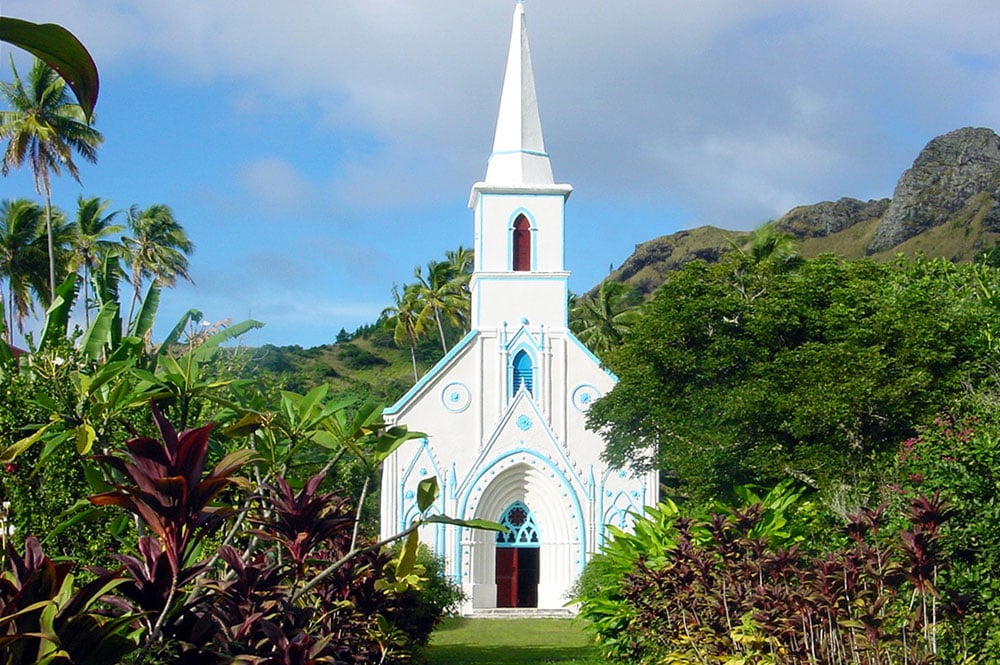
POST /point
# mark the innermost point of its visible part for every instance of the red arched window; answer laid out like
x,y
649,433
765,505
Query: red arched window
x,y
522,243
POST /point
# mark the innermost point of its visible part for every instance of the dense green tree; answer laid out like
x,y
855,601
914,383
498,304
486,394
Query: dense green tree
x,y
23,259
44,129
991,257
602,321
736,375
92,227
959,456
157,248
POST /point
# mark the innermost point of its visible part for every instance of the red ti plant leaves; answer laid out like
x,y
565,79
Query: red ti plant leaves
x,y
170,490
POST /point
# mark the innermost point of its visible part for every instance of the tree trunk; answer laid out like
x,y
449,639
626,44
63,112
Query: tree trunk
x,y
437,318
52,254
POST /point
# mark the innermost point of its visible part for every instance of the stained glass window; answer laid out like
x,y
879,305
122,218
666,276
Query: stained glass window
x,y
524,374
523,532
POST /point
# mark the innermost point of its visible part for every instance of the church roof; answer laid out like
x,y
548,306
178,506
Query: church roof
x,y
519,156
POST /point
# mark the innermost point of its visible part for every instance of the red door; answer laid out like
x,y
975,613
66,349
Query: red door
x,y
517,577
506,577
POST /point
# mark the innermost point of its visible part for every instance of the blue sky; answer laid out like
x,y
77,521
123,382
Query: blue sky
x,y
316,151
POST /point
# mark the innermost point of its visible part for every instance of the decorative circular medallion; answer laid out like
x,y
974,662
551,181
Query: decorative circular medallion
x,y
523,423
583,396
456,397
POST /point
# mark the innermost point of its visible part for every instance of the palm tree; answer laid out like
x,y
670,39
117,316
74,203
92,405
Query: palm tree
x,y
462,261
771,249
23,259
602,321
91,227
404,318
441,295
157,248
45,127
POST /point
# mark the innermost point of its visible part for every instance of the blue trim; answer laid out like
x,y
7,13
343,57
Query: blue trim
x,y
590,354
573,396
426,378
452,402
521,151
422,451
522,366
513,538
478,254
506,276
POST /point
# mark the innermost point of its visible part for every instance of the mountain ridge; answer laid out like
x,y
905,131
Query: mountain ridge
x,y
946,205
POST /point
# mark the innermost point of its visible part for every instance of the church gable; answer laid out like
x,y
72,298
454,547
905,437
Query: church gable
x,y
523,427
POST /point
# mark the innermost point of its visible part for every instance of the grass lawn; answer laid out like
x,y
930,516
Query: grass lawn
x,y
511,642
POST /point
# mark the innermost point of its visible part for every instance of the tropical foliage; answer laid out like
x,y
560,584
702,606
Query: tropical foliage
x,y
283,545
60,50
23,260
602,321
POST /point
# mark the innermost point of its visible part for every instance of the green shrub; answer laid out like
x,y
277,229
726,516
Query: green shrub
x,y
357,358
422,609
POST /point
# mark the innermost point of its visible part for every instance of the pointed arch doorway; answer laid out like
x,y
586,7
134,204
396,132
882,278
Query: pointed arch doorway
x,y
517,558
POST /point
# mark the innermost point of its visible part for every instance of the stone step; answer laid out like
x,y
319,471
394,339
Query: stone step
x,y
522,613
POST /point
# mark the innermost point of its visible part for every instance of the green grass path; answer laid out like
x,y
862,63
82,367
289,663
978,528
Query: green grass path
x,y
511,642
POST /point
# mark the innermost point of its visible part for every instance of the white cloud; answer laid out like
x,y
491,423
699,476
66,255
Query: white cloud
x,y
276,185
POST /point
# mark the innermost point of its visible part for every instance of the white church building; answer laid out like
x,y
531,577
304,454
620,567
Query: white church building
x,y
504,411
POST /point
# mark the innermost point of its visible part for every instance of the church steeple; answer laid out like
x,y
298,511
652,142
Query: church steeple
x,y
518,277
519,156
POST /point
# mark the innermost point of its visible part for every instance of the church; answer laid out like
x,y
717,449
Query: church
x,y
504,411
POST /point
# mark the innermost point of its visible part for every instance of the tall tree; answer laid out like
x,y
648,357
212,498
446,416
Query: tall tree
x,y
462,261
23,259
92,228
44,128
404,318
157,248
441,296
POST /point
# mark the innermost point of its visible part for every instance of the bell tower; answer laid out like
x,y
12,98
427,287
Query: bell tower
x,y
519,274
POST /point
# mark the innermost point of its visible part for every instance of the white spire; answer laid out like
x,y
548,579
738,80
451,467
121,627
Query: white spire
x,y
519,156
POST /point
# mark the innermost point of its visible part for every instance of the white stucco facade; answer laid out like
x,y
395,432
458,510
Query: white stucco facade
x,y
505,410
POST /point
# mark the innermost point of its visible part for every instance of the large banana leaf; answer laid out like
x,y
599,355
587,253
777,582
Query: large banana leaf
x,y
57,316
143,321
206,349
61,51
99,333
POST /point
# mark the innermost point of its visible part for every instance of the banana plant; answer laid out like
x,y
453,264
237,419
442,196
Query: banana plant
x,y
177,380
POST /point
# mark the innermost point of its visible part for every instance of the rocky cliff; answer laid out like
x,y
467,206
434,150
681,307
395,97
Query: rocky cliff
x,y
946,205
957,176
